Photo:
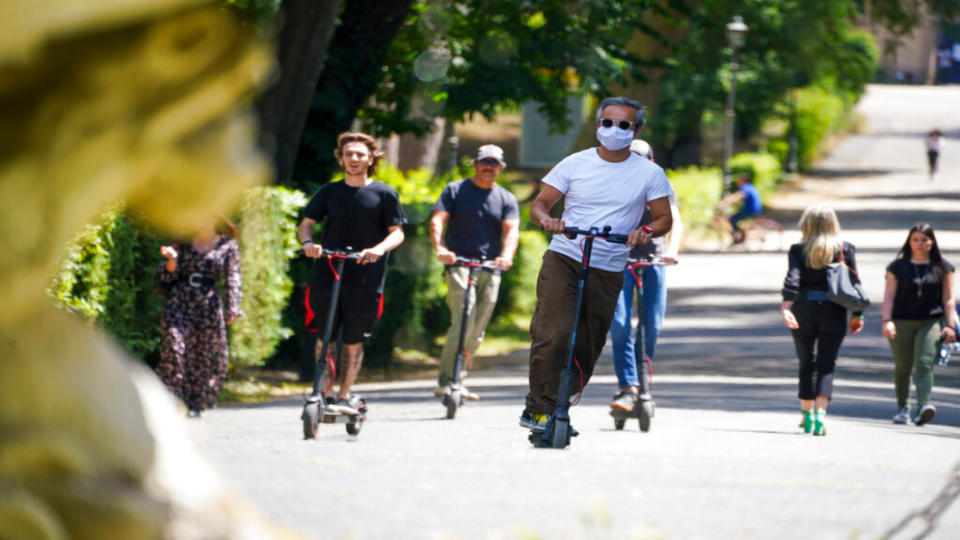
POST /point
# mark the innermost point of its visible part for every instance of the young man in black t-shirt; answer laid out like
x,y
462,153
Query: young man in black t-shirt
x,y
360,214
482,221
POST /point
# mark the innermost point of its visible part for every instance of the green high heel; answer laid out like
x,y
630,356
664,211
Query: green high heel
x,y
807,423
818,424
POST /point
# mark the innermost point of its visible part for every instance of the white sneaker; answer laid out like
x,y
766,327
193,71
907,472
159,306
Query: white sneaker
x,y
902,416
925,414
468,395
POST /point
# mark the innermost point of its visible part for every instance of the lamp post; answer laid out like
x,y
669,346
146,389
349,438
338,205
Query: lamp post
x,y
736,34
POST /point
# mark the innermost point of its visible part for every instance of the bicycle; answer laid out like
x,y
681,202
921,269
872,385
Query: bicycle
x,y
757,233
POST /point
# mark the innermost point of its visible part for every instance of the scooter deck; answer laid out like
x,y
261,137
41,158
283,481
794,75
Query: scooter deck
x,y
341,418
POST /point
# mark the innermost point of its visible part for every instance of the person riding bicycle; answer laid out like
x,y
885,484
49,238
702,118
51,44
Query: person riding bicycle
x,y
631,374
482,221
605,186
750,202
360,214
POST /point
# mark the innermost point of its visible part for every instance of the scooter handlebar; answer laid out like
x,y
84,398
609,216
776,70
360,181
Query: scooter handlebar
x,y
632,261
349,255
479,263
573,232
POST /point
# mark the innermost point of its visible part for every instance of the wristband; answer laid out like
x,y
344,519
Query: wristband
x,y
647,229
305,242
860,316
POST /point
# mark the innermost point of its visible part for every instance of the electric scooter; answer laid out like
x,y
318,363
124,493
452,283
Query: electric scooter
x,y
557,432
453,398
645,407
315,410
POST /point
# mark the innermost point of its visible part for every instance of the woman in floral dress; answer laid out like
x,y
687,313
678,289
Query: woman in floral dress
x,y
193,357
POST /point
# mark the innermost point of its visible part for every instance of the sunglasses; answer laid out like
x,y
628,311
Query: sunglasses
x,y
489,162
622,124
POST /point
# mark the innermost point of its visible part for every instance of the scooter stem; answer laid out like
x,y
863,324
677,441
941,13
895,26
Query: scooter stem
x,y
321,362
562,410
458,359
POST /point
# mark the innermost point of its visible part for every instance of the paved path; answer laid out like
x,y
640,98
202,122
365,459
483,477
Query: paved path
x,y
724,458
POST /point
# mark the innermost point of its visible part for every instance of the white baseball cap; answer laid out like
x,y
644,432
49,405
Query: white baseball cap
x,y
642,148
491,151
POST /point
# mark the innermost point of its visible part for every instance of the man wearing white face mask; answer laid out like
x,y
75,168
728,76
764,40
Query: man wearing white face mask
x,y
607,185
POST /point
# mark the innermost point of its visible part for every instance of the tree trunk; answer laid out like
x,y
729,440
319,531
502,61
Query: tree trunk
x,y
351,75
305,29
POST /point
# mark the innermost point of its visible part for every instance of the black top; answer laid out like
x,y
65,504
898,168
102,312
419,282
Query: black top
x,y
802,277
919,293
356,218
475,226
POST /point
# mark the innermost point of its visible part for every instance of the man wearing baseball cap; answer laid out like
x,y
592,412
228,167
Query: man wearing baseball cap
x,y
477,219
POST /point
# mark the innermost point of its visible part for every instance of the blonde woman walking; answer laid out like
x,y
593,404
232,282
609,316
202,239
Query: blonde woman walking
x,y
817,324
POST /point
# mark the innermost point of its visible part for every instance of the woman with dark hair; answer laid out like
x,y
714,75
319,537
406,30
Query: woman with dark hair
x,y
919,312
193,355
817,324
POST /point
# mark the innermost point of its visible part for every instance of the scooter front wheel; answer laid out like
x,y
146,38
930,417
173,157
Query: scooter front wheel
x,y
452,402
646,413
561,434
311,420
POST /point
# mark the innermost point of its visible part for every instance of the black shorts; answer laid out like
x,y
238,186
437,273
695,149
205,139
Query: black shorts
x,y
357,310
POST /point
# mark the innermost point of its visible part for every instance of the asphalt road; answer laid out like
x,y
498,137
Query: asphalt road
x,y
724,458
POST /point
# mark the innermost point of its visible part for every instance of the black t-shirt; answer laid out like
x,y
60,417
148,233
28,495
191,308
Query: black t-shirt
x,y
475,226
802,277
911,280
356,218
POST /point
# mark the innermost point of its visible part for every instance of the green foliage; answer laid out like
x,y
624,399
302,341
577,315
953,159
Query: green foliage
x,y
268,241
106,276
456,59
789,45
518,286
698,189
819,113
764,168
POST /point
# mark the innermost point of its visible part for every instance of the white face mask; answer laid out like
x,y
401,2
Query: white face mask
x,y
614,138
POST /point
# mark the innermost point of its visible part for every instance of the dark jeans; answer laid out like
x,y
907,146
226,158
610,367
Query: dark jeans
x,y
552,322
823,326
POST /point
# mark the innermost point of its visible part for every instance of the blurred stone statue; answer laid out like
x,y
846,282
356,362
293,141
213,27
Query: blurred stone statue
x,y
140,100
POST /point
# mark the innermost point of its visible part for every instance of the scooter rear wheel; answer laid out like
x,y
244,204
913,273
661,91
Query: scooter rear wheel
x,y
353,428
618,423
311,420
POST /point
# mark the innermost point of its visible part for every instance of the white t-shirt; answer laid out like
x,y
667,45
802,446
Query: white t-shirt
x,y
598,193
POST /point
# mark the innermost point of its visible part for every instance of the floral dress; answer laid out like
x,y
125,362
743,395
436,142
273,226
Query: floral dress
x,y
194,355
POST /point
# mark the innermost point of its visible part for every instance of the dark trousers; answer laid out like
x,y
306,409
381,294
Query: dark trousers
x,y
823,326
553,320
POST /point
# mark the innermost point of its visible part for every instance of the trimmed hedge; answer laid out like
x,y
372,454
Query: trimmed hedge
x,y
268,242
765,169
698,190
106,277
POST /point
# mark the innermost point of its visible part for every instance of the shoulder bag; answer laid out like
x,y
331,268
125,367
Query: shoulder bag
x,y
843,286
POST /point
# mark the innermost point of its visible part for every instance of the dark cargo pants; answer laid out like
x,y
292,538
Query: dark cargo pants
x,y
553,320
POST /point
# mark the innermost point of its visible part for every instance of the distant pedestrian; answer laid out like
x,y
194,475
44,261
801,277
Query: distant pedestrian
x,y
193,353
934,143
919,312
817,324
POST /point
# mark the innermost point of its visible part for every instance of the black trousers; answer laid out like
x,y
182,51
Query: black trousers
x,y
823,326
